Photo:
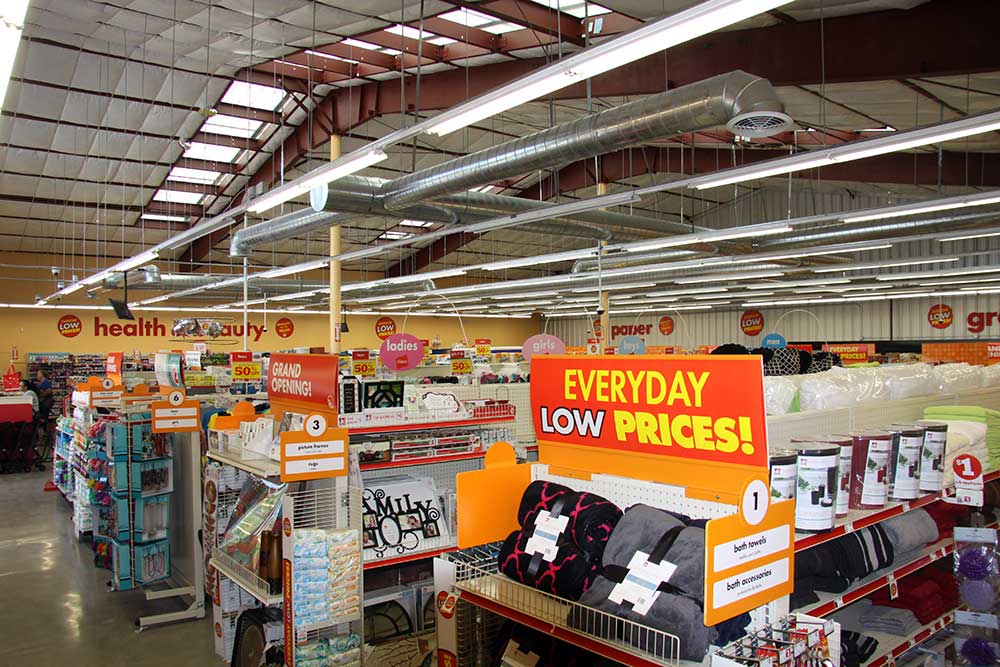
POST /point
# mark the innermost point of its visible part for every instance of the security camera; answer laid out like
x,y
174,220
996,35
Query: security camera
x,y
55,270
600,311
60,285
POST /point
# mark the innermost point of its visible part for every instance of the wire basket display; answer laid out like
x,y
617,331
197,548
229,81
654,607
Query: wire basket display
x,y
476,576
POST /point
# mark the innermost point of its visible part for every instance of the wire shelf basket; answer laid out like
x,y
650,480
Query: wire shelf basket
x,y
244,578
476,576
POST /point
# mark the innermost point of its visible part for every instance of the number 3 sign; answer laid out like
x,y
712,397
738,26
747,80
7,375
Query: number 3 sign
x,y
317,452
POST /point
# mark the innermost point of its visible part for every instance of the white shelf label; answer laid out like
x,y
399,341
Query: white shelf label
x,y
752,547
745,584
314,465
315,448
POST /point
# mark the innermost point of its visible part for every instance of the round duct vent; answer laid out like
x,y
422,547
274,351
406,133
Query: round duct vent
x,y
760,124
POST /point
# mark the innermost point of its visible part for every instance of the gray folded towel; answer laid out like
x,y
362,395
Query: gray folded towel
x,y
910,531
674,614
901,622
642,527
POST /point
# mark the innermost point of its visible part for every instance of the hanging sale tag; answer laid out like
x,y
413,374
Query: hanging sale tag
x,y
968,480
641,584
545,539
362,364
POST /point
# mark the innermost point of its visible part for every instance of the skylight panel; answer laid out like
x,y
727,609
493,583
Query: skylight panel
x,y
254,95
407,31
197,176
468,17
213,152
415,223
442,41
501,28
177,197
232,126
391,52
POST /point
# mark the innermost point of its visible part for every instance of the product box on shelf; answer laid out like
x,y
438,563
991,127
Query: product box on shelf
x,y
151,513
151,560
154,477
118,473
373,452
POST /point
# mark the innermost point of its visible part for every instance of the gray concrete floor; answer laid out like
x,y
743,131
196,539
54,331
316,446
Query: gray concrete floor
x,y
55,609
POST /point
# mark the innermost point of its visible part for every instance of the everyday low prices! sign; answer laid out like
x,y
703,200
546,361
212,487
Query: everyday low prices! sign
x,y
669,406
852,353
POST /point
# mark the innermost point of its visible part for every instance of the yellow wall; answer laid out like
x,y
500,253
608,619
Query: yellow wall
x,y
37,331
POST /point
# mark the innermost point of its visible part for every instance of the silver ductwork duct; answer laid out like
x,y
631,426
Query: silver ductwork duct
x,y
698,106
440,193
286,226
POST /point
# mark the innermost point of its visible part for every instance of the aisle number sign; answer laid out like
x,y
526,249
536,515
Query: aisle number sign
x,y
362,363
177,414
316,452
484,347
460,364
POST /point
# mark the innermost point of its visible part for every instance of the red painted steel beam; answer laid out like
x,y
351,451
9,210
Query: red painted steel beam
x,y
532,16
462,33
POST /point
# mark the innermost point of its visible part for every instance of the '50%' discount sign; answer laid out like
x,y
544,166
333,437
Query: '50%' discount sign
x,y
246,371
362,363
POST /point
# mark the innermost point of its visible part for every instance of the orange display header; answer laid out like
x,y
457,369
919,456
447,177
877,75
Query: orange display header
x,y
696,408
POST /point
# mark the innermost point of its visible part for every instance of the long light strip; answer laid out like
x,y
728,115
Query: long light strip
x,y
986,232
124,265
856,150
643,41
884,265
328,173
946,204
748,275
766,229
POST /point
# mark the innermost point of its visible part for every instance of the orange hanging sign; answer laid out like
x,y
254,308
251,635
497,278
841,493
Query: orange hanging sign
x,y
177,414
316,452
113,366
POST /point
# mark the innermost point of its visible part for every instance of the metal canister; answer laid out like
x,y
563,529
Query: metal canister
x,y
933,455
904,461
816,486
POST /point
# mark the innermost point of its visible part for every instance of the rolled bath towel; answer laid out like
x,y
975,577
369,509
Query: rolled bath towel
x,y
591,517
569,575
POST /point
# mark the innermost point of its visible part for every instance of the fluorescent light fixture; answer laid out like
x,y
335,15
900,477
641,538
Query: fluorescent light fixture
x,y
293,296
958,282
295,268
960,272
393,235
164,218
538,260
766,229
328,173
719,277
647,39
855,150
885,265
554,211
11,24
945,204
683,292
798,283
431,313
970,234
796,254
611,288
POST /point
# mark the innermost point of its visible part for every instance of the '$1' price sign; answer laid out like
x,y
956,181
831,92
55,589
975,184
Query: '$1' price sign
x,y
246,371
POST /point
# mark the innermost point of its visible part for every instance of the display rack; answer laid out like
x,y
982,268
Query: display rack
x,y
898,646
245,579
831,602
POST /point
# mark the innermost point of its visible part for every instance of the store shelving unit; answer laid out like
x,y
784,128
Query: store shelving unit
x,y
245,579
831,602
259,467
896,646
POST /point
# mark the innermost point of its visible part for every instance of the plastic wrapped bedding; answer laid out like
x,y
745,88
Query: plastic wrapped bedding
x,y
779,395
909,380
841,388
991,376
957,377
